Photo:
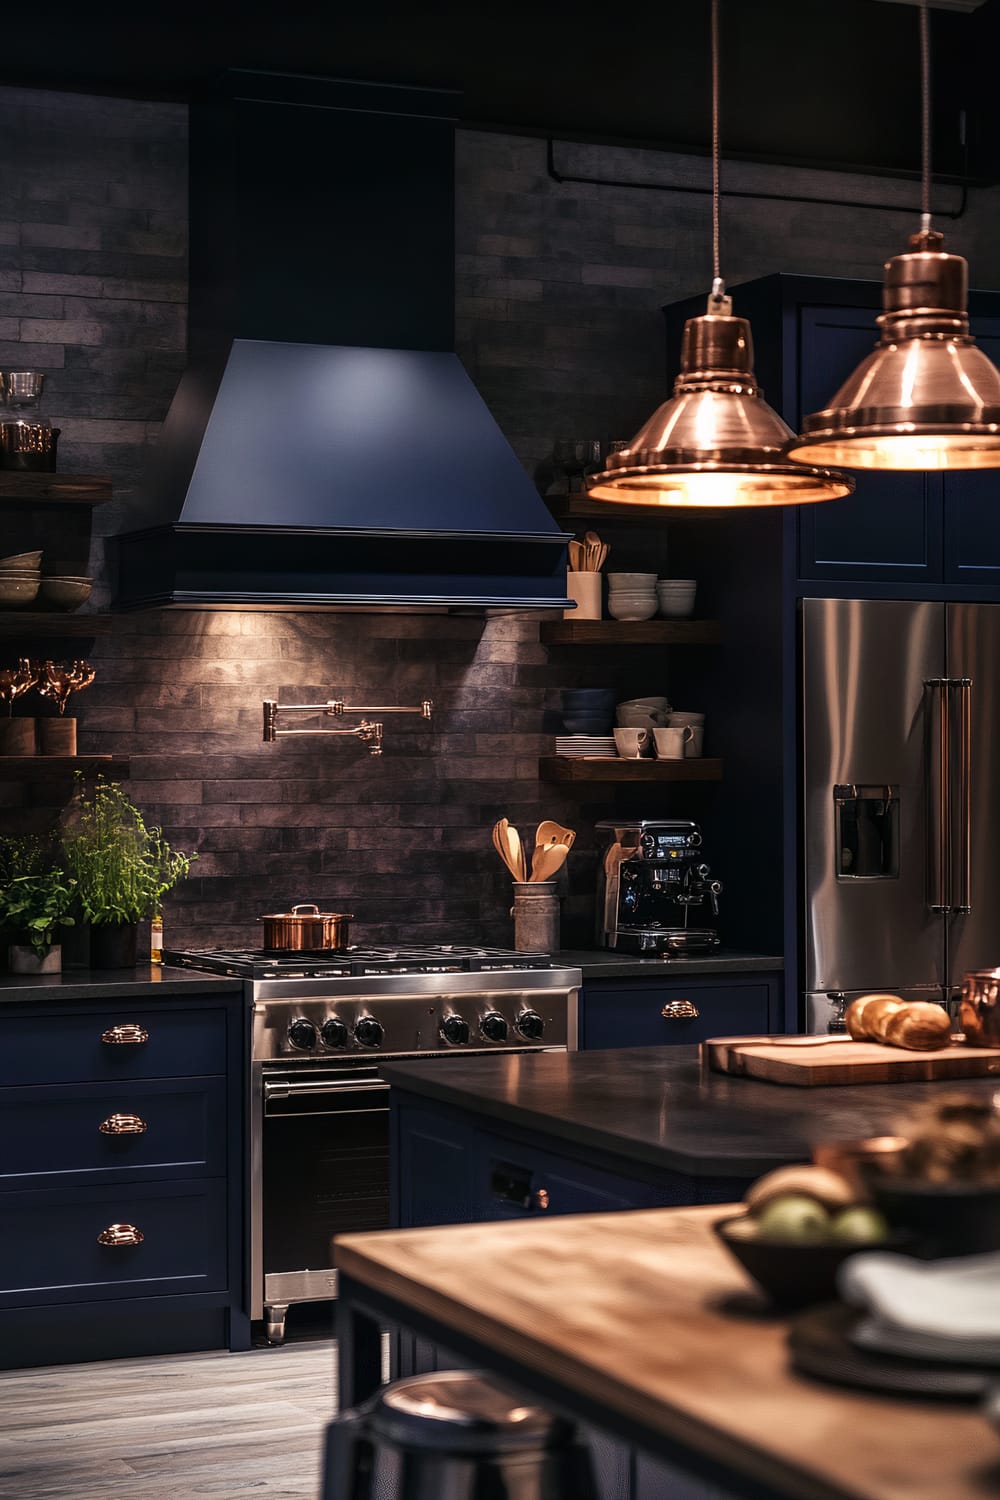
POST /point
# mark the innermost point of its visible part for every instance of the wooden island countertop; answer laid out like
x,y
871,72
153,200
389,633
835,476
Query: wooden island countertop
x,y
645,1316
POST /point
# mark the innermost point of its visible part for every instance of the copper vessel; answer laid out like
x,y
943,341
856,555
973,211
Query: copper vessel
x,y
306,929
979,1008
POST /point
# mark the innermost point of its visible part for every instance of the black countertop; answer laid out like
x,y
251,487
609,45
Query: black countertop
x,y
147,981
658,1106
598,963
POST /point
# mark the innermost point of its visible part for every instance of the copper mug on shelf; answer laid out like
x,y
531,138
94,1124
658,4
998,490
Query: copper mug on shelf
x,y
979,1007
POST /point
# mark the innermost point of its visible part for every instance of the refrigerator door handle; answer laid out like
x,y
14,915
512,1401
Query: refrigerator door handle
x,y
961,856
940,807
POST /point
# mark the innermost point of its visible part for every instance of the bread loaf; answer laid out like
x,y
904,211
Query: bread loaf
x,y
855,1013
919,1026
878,1012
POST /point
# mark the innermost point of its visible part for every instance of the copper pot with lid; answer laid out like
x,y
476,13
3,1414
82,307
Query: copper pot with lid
x,y
979,1008
306,929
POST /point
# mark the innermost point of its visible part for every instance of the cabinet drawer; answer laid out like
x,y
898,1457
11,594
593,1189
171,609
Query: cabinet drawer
x,y
633,1016
49,1250
53,1133
68,1047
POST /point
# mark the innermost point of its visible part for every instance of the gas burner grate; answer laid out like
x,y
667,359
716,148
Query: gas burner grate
x,y
262,963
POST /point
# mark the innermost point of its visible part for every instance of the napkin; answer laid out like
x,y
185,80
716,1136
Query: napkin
x,y
938,1310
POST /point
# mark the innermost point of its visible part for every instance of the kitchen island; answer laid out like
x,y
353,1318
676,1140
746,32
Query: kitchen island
x,y
641,1325
636,1127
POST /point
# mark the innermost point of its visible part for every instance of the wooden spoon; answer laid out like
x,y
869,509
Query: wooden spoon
x,y
550,832
516,854
550,859
502,847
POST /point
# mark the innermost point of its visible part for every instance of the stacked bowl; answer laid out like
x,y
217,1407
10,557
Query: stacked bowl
x,y
20,577
632,596
675,596
588,711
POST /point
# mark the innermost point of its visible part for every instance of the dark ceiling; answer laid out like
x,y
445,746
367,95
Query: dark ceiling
x,y
834,84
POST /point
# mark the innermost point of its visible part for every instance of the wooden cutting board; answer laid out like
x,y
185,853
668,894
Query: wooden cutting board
x,y
811,1061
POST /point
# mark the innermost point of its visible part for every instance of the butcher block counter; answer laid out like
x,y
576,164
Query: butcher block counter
x,y
642,1324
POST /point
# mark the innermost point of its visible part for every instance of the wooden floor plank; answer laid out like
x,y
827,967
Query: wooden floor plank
x,y
219,1426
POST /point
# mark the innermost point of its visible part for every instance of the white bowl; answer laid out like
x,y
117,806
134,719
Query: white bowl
x,y
633,580
677,583
638,609
26,561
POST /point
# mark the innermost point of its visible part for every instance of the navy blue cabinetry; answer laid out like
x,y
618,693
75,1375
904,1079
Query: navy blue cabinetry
x,y
890,528
652,1012
450,1166
121,1178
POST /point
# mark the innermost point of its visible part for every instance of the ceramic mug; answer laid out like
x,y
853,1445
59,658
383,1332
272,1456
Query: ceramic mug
x,y
671,742
632,744
694,745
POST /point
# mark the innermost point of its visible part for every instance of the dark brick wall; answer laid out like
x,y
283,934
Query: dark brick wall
x,y
559,290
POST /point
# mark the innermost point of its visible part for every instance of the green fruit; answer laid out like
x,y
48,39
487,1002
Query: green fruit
x,y
860,1226
795,1218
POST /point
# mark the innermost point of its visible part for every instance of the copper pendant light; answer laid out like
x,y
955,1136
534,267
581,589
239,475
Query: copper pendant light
x,y
715,442
926,397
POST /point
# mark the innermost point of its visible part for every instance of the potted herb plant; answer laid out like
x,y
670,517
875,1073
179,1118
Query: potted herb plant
x,y
35,901
121,867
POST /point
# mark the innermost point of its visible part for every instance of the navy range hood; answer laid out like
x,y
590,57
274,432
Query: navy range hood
x,y
326,448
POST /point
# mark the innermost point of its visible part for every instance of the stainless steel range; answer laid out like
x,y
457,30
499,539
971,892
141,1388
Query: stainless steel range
x,y
319,1106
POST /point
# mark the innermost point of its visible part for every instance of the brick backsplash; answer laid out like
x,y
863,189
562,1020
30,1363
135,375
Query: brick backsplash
x,y
558,296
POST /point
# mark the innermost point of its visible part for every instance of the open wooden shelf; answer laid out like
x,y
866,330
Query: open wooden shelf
x,y
630,632
33,489
570,509
51,767
568,768
32,623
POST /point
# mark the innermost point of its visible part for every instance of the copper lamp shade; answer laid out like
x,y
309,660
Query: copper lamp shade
x,y
715,442
926,397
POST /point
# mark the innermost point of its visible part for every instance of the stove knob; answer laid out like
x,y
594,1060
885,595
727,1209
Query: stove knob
x,y
647,843
369,1032
493,1026
334,1033
530,1024
454,1029
302,1034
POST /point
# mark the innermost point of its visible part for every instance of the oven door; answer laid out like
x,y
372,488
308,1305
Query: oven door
x,y
321,1167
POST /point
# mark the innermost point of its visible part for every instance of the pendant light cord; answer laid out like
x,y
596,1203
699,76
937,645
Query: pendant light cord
x,y
925,117
718,287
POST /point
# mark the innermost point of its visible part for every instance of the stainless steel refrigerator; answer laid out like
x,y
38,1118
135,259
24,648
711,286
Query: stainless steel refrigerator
x,y
901,786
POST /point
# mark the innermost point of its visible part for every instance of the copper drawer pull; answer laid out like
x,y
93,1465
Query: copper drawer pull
x,y
680,1010
125,1035
118,1124
117,1235
540,1198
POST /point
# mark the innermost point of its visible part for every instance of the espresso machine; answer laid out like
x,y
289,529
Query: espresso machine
x,y
652,879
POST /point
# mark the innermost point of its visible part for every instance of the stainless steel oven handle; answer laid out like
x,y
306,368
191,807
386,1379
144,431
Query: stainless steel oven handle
x,y
285,1090
326,1114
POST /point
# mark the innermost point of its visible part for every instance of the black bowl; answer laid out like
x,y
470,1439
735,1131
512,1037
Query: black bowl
x,y
796,1275
942,1218
587,723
